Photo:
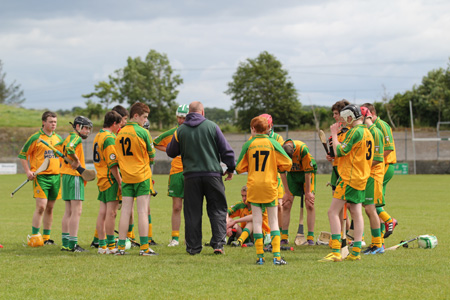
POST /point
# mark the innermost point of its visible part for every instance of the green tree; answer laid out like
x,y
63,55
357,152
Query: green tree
x,y
219,115
10,94
150,81
430,100
261,86
106,92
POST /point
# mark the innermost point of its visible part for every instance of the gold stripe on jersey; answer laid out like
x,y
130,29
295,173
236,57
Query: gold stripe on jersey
x,y
72,145
262,157
241,210
134,148
104,157
389,143
356,155
36,152
341,137
377,171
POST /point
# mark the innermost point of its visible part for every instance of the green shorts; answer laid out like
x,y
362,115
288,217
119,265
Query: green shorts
x,y
50,185
109,195
374,193
72,187
136,189
263,206
296,180
388,174
349,194
176,185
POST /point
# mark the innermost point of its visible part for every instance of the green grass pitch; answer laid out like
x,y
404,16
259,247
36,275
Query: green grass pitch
x,y
420,203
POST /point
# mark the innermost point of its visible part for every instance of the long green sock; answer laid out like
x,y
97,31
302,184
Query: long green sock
x,y
110,241
73,240
356,250
65,240
34,230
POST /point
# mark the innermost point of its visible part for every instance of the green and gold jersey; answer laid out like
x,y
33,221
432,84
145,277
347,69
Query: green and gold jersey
x,y
134,148
262,157
163,140
36,152
377,171
389,143
341,137
72,145
356,152
302,160
104,157
276,137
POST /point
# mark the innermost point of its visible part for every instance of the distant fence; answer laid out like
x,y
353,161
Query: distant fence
x,y
431,153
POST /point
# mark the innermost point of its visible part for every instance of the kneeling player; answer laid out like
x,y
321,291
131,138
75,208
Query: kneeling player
x,y
262,157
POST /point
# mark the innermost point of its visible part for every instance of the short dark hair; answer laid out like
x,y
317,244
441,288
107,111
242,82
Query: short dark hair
x,y
339,105
121,110
289,149
47,114
371,107
139,108
111,117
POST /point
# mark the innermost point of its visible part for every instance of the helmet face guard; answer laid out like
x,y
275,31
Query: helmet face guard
x,y
83,122
352,111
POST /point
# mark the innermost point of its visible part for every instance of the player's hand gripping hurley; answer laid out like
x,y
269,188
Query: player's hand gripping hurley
x,y
87,175
41,168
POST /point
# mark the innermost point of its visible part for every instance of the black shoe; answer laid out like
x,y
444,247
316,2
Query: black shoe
x,y
390,228
219,251
152,243
94,245
77,248
49,242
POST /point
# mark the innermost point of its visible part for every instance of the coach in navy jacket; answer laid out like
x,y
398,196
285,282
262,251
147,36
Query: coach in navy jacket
x,y
203,146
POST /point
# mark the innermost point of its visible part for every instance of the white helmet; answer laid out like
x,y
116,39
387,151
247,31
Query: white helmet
x,y
182,110
352,111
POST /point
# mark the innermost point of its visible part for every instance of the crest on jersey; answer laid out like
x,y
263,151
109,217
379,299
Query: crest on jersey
x,y
112,156
387,139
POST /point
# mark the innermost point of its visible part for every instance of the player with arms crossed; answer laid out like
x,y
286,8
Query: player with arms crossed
x,y
46,185
134,147
109,181
301,181
356,152
176,178
390,158
262,157
72,183
374,186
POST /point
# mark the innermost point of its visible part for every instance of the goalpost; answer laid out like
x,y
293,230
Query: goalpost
x,y
437,139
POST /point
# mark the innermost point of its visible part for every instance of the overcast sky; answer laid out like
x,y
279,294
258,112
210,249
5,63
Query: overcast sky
x,y
58,50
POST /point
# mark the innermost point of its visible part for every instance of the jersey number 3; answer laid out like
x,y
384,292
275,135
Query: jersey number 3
x,y
369,150
256,156
126,143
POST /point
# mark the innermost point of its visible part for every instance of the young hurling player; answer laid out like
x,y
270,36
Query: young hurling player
x,y
123,112
374,186
243,225
134,148
281,177
46,185
390,158
176,178
301,180
262,157
356,152
109,181
72,183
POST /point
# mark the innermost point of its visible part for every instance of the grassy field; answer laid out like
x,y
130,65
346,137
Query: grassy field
x,y
420,203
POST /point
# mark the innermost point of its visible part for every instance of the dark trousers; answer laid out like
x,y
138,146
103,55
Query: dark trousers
x,y
195,188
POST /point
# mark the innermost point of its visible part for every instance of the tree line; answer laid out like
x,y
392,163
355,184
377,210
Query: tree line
x,y
259,85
